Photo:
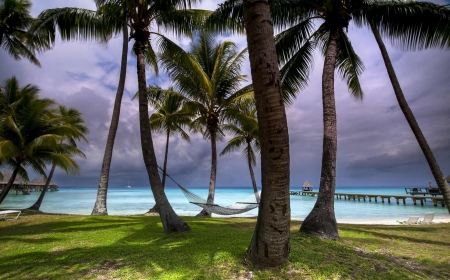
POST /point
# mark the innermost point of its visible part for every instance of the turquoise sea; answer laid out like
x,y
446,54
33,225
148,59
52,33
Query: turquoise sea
x,y
138,200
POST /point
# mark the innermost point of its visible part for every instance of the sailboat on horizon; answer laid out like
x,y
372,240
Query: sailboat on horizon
x,y
128,186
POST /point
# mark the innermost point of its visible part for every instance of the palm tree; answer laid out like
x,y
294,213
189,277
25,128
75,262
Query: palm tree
x,y
15,19
83,24
143,15
170,117
245,134
71,119
29,138
209,77
432,162
270,243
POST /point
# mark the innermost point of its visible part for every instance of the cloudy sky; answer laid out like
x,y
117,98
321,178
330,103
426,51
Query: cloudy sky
x,y
375,144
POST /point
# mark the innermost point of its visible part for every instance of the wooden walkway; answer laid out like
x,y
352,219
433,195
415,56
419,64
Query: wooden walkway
x,y
375,197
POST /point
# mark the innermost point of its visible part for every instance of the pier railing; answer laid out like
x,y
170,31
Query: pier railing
x,y
375,197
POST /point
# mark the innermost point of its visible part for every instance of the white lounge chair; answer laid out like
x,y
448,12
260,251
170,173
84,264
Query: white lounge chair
x,y
4,214
413,220
428,218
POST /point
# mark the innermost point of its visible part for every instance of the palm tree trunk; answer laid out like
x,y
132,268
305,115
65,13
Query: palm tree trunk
x,y
165,159
252,175
321,221
170,220
8,186
38,203
212,177
100,202
270,245
155,209
432,163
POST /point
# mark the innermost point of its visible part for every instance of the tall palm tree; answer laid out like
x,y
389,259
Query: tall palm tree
x,y
209,77
245,134
71,119
407,112
15,20
270,243
29,138
83,24
144,15
170,117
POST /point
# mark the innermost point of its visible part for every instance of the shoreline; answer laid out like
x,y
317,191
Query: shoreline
x,y
436,220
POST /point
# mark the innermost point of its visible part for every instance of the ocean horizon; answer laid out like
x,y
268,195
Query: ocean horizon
x,y
138,200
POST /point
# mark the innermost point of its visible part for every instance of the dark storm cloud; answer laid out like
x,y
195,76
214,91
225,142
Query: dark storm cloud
x,y
375,144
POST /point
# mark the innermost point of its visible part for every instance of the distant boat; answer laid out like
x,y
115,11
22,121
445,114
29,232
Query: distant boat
x,y
129,187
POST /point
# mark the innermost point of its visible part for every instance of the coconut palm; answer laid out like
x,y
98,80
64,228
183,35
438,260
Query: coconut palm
x,y
15,19
209,77
144,19
245,133
170,117
71,119
29,138
270,243
432,162
83,24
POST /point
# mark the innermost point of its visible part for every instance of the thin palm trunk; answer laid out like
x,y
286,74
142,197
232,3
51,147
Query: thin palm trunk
x,y
38,203
170,220
100,202
155,209
8,186
165,159
270,245
252,175
212,177
321,221
432,163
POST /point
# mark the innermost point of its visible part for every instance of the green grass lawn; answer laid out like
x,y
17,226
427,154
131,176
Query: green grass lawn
x,y
38,246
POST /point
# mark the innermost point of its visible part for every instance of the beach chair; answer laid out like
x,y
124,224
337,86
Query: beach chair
x,y
428,218
413,220
4,214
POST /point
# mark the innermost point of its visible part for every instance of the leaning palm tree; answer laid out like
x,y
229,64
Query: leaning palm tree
x,y
170,117
144,15
83,24
76,130
245,133
15,19
29,139
209,77
430,39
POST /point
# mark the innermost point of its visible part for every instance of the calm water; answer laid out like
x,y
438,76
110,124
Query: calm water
x,y
138,200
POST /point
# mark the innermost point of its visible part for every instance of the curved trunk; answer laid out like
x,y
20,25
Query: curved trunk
x,y
252,175
38,203
170,220
8,186
212,177
432,163
100,202
270,245
321,221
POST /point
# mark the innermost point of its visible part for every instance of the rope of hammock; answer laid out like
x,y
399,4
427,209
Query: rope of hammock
x,y
237,208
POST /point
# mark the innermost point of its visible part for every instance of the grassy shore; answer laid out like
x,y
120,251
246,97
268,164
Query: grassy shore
x,y
38,246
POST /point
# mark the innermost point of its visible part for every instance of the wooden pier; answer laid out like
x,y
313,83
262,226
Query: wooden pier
x,y
398,198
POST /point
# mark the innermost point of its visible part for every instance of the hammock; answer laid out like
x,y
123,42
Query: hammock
x,y
237,208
